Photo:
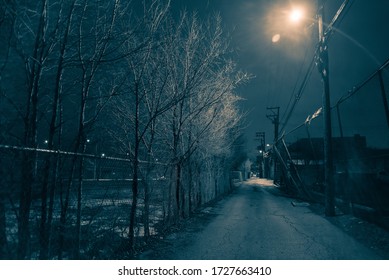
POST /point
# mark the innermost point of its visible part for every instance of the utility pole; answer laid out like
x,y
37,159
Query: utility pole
x,y
323,68
260,137
274,116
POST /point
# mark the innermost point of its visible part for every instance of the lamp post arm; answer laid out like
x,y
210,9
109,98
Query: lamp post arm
x,y
336,17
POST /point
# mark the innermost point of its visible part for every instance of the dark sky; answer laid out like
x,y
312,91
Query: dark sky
x,y
356,50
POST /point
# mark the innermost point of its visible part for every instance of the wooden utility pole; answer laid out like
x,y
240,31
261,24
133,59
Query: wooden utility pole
x,y
274,116
323,68
260,137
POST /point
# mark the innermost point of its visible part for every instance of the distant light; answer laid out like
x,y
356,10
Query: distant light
x,y
276,38
46,141
103,155
296,15
87,140
267,145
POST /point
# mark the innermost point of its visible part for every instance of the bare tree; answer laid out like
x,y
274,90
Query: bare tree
x,y
203,75
64,19
98,37
143,101
31,41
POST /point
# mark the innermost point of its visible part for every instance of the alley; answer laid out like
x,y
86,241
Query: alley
x,y
255,223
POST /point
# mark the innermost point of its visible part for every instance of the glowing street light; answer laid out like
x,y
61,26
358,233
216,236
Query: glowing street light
x,y
296,15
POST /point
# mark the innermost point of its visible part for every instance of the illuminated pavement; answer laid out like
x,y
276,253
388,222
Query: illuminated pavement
x,y
255,223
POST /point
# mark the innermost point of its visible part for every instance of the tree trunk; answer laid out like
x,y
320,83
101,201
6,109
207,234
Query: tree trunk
x,y
45,229
29,158
178,190
191,187
50,212
135,190
64,210
43,238
135,183
3,235
76,251
146,210
25,204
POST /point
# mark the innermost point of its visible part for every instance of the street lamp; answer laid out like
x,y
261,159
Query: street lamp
x,y
295,16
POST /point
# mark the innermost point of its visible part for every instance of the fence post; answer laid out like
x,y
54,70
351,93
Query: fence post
x,y
384,99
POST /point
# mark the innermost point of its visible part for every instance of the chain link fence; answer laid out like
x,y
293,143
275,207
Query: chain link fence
x,y
81,203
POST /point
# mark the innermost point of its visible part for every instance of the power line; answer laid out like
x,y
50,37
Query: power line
x,y
295,86
344,8
356,88
350,93
300,91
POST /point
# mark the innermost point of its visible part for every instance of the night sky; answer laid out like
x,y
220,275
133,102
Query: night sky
x,y
356,50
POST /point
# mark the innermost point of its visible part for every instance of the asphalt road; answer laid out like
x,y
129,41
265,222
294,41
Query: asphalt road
x,y
255,223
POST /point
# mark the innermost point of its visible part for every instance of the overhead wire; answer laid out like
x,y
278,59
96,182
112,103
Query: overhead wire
x,y
346,96
344,8
296,83
356,88
300,92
